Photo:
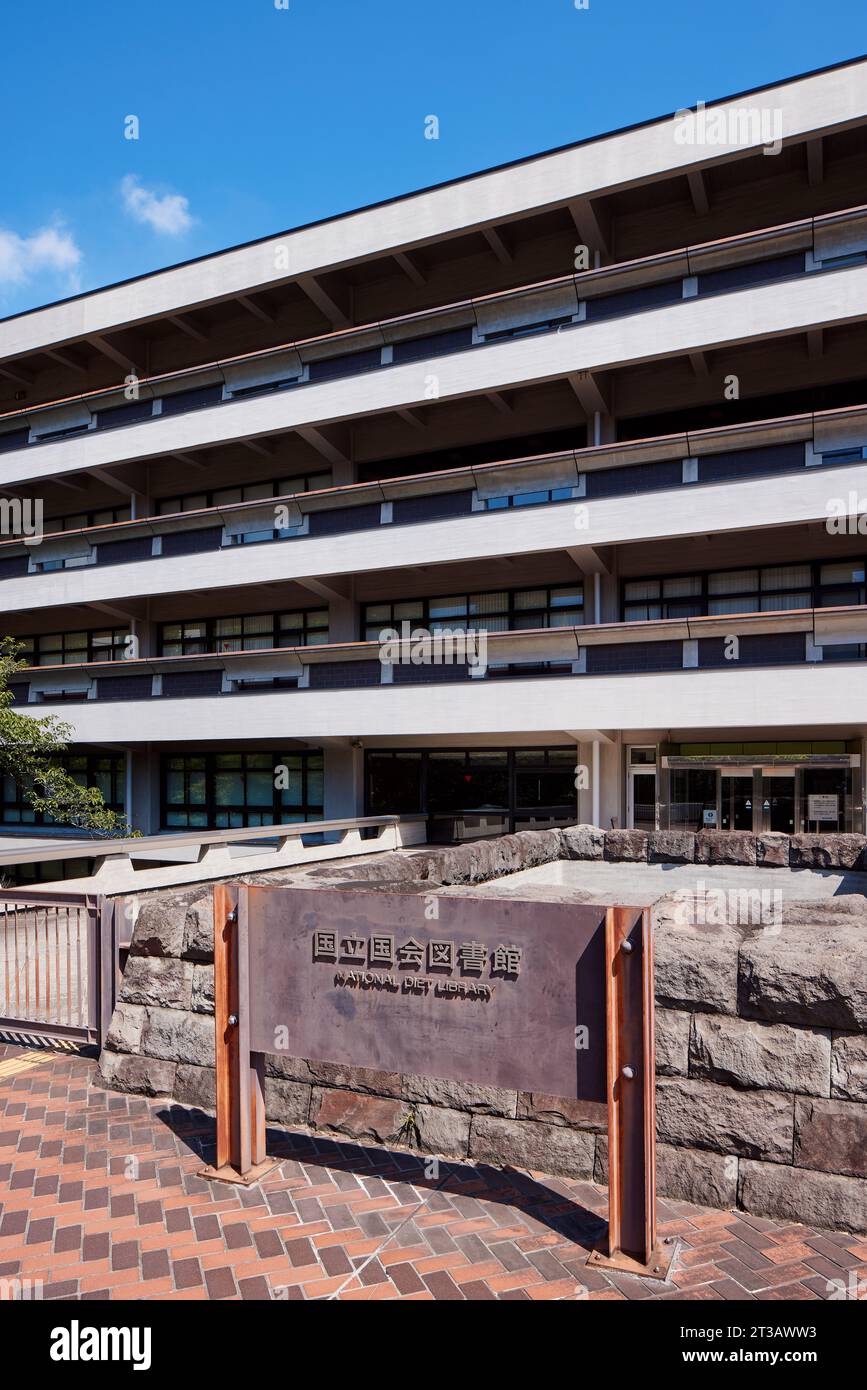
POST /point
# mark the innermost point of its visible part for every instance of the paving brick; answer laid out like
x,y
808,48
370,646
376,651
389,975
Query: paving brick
x,y
338,1219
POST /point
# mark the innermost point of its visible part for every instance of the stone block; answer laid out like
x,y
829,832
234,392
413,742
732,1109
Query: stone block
x,y
827,852
159,981
144,1076
810,975
202,995
697,967
763,1056
695,1175
672,1042
196,1086
831,1135
558,1110
725,847
125,1029
525,1144
670,846
702,1115
799,1195
159,928
772,849
626,846
459,1095
439,1130
178,1036
849,1066
357,1116
199,929
582,842
287,1102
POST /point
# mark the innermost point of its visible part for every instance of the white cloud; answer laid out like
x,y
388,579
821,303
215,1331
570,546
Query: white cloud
x,y
169,214
49,249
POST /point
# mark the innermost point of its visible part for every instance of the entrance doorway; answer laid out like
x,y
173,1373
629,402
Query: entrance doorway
x,y
641,788
736,801
778,801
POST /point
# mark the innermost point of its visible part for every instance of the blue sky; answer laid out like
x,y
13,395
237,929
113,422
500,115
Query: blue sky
x,y
255,118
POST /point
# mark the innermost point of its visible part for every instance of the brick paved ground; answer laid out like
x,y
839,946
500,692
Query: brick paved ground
x,y
99,1198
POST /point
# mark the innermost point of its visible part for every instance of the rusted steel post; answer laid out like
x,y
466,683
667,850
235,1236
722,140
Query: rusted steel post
x,y
240,1154
632,1243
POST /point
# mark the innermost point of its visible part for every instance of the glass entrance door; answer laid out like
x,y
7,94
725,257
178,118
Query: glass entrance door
x,y
736,801
641,811
778,801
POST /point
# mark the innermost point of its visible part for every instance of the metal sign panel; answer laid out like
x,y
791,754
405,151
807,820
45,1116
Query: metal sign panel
x,y
490,990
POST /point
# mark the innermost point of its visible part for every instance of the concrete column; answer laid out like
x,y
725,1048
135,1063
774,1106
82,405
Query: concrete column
x,y
143,789
344,781
595,783
343,619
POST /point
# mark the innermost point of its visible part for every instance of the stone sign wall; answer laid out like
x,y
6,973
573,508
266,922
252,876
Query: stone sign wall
x,y
761,1037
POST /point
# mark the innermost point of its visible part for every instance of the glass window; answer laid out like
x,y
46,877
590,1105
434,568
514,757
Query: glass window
x,y
733,582
227,790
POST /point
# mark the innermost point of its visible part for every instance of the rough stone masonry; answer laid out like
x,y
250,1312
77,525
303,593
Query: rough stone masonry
x,y
761,1036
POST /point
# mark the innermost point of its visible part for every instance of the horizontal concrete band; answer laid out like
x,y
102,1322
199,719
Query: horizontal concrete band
x,y
725,507
767,311
812,695
812,104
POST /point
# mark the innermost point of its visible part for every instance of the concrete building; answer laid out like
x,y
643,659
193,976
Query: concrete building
x,y
605,409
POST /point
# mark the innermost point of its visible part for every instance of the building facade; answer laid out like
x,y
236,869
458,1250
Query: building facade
x,y
528,498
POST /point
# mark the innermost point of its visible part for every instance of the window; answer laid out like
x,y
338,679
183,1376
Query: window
x,y
246,633
766,589
231,790
525,330
508,788
499,610
250,492
79,521
347,364
196,399
130,414
74,648
528,499
106,771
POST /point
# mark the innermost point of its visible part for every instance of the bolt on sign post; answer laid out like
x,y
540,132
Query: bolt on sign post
x,y
555,998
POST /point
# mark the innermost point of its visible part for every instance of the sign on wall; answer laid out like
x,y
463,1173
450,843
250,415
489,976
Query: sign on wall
x,y
468,988
537,996
823,807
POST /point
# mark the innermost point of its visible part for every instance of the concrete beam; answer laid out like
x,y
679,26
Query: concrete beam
x,y
336,315
67,358
498,245
18,375
323,441
698,191
179,322
330,589
409,268
246,302
587,559
815,161
592,391
593,225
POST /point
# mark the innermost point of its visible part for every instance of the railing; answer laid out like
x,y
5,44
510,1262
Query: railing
x,y
196,856
805,246
786,637
761,448
51,977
